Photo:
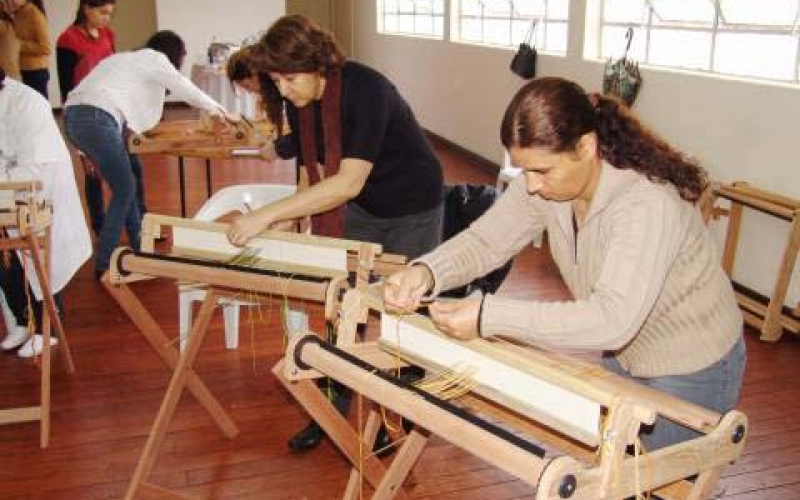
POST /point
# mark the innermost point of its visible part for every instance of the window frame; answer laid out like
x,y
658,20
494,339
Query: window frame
x,y
381,20
717,27
542,27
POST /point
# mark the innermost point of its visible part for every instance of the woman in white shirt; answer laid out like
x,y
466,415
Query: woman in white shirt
x,y
31,147
127,91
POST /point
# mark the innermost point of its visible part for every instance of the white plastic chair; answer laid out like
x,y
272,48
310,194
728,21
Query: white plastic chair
x,y
242,199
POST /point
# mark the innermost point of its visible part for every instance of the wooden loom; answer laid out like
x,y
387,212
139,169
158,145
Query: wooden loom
x,y
769,319
288,269
588,415
194,137
20,211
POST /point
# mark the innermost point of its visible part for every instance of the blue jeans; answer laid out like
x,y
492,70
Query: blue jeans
x,y
716,388
97,133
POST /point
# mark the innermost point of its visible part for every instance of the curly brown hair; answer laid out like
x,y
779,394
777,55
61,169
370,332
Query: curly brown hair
x,y
555,113
293,44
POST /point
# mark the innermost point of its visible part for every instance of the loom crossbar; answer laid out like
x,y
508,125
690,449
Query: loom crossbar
x,y
500,447
255,280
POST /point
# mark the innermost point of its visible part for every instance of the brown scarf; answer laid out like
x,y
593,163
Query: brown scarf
x,y
330,223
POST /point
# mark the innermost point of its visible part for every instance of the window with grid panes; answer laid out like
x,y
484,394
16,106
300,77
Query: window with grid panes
x,y
423,18
507,22
750,38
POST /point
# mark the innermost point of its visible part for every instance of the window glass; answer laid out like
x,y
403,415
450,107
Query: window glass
x,y
743,54
507,22
751,38
412,17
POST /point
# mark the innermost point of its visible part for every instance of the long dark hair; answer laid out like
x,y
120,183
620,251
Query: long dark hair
x,y
170,44
239,68
293,44
554,114
80,17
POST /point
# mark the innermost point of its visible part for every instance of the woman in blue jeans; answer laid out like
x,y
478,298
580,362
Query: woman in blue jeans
x,y
125,92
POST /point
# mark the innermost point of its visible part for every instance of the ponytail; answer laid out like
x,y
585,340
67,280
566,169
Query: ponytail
x,y
627,144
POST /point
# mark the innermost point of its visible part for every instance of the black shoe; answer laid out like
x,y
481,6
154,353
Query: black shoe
x,y
308,438
383,446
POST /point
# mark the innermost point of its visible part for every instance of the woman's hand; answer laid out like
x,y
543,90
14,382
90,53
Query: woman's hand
x,y
289,225
458,319
221,122
404,289
246,227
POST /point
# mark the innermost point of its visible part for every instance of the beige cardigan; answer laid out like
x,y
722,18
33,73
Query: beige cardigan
x,y
644,274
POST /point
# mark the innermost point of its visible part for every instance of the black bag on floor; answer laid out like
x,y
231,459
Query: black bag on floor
x,y
463,203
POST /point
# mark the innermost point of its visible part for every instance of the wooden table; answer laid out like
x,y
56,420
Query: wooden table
x,y
194,139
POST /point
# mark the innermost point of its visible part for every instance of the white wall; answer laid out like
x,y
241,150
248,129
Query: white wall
x,y
738,130
60,14
198,22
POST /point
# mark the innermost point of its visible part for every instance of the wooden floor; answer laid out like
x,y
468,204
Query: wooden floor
x,y
102,414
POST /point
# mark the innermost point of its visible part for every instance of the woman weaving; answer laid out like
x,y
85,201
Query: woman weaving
x,y
618,206
366,170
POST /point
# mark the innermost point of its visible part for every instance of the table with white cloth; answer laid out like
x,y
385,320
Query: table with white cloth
x,y
212,80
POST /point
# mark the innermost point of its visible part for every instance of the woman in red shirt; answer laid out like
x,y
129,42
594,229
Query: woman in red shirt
x,y
80,47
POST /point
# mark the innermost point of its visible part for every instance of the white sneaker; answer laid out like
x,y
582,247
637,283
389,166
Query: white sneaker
x,y
15,338
33,347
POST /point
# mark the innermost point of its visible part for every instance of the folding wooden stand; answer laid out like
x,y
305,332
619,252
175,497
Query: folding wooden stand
x,y
186,263
31,220
768,319
590,465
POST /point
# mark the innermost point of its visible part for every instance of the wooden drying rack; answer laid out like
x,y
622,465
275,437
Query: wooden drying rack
x,y
770,319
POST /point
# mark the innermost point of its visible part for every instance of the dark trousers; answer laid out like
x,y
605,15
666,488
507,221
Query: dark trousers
x,y
17,291
37,80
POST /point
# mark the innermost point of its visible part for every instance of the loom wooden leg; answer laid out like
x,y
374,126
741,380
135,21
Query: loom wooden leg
x,y
183,371
370,432
705,484
129,303
336,427
401,466
44,424
38,258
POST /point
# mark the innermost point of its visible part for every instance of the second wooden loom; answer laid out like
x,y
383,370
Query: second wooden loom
x,y
290,265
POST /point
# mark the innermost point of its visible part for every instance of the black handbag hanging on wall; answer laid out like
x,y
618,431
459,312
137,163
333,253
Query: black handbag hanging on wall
x,y
524,62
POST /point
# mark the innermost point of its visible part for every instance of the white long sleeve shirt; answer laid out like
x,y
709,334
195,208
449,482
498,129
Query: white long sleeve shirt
x,y
33,149
131,87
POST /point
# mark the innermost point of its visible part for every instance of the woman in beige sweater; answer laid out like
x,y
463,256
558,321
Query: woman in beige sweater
x,y
618,205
